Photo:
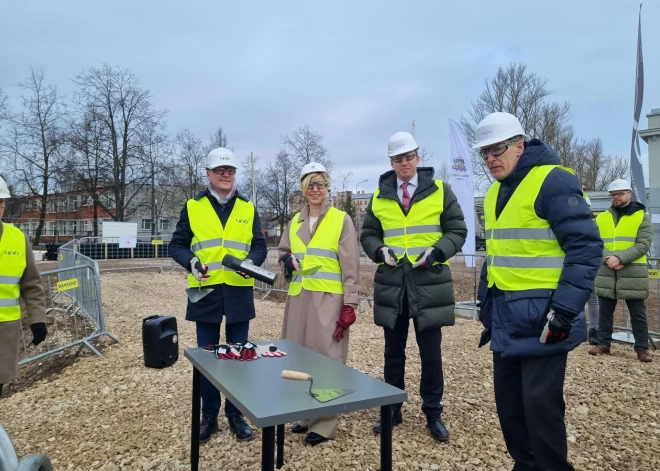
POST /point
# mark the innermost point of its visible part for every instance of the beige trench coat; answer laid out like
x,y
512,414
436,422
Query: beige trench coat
x,y
311,318
34,297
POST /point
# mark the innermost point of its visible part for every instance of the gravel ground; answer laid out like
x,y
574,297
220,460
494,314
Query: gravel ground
x,y
113,413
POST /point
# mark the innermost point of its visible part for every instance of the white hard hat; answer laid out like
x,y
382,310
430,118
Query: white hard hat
x,y
497,127
4,189
220,157
618,185
312,167
400,143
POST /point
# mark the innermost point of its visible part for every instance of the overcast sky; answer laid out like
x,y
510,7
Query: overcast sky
x,y
356,72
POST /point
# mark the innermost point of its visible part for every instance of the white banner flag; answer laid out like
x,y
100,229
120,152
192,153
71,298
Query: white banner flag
x,y
460,170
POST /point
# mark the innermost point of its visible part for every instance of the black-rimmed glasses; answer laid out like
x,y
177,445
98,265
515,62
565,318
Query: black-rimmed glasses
x,y
223,170
496,150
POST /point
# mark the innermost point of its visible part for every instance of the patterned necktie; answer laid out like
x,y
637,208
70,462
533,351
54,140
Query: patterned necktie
x,y
406,196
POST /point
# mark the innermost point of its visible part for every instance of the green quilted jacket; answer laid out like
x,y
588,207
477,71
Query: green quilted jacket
x,y
632,281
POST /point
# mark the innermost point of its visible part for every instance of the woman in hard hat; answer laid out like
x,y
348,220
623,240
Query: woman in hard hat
x,y
319,254
19,277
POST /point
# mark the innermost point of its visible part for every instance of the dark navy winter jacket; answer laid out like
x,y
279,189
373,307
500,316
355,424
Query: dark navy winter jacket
x,y
514,320
236,303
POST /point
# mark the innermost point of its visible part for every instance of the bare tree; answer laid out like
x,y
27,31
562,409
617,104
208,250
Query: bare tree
x,y
304,146
4,107
125,110
611,169
524,94
443,172
87,160
279,181
218,139
35,138
190,164
425,158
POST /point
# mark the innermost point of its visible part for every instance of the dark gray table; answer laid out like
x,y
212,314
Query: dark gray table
x,y
268,401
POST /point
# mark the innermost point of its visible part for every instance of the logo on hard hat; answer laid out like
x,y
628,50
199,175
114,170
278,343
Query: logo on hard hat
x,y
459,164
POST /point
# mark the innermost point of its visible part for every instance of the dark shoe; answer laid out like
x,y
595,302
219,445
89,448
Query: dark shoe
x,y
313,438
599,350
297,428
437,429
644,356
397,418
593,336
240,428
206,428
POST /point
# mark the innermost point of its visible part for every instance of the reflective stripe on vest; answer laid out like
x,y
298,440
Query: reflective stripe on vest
x,y
12,265
522,251
410,234
323,251
623,235
211,242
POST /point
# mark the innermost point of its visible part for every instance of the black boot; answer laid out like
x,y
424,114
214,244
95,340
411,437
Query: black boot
x,y
437,428
593,336
206,428
240,428
397,418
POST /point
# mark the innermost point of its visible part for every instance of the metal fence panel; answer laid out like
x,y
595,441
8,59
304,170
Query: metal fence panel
x,y
74,315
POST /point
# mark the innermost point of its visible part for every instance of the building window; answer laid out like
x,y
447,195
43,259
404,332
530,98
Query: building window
x,y
62,227
83,227
83,200
146,224
164,225
73,203
73,227
51,229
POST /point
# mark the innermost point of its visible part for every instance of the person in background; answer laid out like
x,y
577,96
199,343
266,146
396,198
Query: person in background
x,y
320,307
627,233
19,278
216,222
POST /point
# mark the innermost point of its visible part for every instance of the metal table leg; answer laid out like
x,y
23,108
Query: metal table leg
x,y
194,432
386,438
268,448
280,446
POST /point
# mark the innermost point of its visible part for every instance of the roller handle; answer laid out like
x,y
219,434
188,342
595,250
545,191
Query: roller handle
x,y
295,375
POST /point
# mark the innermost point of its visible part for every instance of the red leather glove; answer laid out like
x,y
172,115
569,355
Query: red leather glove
x,y
346,319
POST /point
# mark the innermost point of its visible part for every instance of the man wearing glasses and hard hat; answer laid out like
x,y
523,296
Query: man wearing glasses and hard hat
x,y
627,234
542,255
412,227
216,222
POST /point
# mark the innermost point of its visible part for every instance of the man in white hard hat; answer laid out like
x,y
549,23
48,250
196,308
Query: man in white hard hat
x,y
216,222
19,278
627,234
542,255
412,227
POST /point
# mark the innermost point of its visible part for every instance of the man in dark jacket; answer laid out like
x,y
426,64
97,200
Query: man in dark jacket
x,y
412,227
216,222
543,252
627,233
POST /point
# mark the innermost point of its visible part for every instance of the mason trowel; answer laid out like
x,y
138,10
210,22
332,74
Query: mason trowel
x,y
195,294
321,395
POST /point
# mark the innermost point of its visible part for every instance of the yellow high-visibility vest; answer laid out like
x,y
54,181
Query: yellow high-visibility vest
x,y
410,234
323,251
12,265
211,242
623,235
522,251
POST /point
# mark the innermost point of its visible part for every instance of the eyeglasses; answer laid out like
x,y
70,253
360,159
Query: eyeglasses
x,y
618,194
496,150
223,170
399,158
317,185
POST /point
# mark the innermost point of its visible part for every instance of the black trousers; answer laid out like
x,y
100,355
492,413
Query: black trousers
x,y
429,343
529,394
638,319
